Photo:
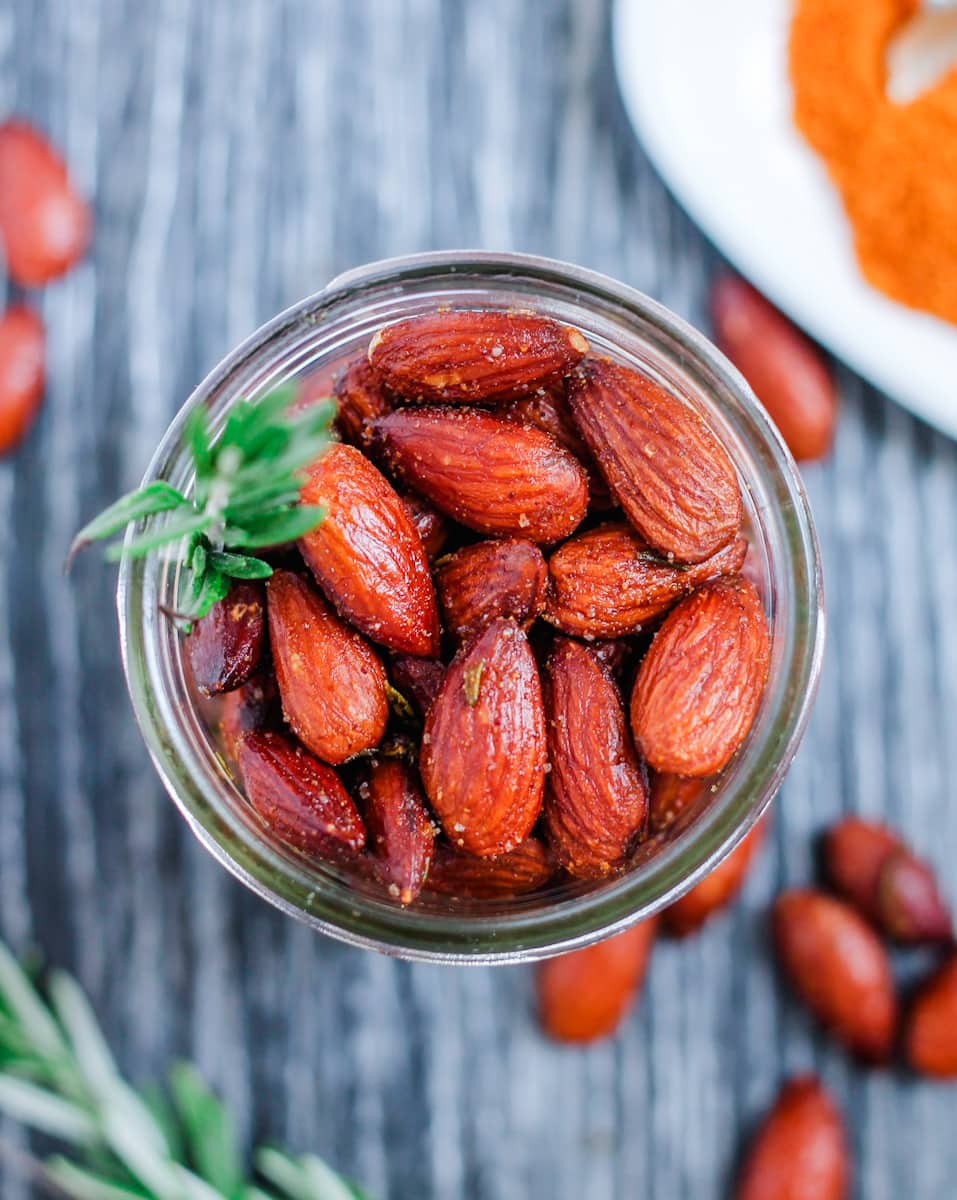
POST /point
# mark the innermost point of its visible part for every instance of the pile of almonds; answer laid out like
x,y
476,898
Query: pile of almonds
x,y
44,230
832,951
428,690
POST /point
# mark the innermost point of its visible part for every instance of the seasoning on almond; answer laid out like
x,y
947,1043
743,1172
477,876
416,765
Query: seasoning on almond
x,y
467,357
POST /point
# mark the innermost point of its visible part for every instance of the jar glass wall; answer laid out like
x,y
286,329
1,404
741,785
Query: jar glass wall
x,y
783,562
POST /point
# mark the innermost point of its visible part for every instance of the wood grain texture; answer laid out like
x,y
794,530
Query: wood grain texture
x,y
241,152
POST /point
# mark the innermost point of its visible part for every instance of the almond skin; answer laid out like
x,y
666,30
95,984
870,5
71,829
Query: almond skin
x,y
669,797
495,477
930,1035
699,686
429,524
360,401
301,800
546,409
487,580
615,655
800,1151
401,835
596,795
467,357
252,708
463,876
331,682
367,555
225,646
783,367
585,995
418,679
716,890
483,748
608,583
870,865
839,968
663,464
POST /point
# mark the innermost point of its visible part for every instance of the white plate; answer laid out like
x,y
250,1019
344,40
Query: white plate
x,y
706,85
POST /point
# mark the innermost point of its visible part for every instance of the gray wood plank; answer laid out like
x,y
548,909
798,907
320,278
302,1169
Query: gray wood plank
x,y
241,153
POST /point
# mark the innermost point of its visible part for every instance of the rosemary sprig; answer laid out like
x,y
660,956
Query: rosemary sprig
x,y
58,1076
245,497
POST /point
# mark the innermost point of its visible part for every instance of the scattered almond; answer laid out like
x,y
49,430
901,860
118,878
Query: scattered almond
x,y
930,1034
22,373
718,888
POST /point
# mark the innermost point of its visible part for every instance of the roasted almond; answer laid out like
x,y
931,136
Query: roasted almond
x,y
360,401
418,679
547,409
669,797
429,524
596,795
487,580
718,888
615,655
463,876
699,686
400,832
252,708
870,865
785,369
495,477
839,968
663,464
300,799
22,373
800,1151
483,748
608,583
331,682
584,995
468,356
225,646
930,1034
367,555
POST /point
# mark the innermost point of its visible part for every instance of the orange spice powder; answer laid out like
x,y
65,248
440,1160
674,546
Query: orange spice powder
x,y
894,164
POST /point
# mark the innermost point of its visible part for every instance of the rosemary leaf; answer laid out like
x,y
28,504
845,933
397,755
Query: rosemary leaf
x,y
305,1178
238,566
273,529
85,1185
156,497
35,1106
171,530
208,1129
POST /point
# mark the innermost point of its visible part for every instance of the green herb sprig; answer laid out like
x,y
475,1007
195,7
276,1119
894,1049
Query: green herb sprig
x,y
58,1076
245,497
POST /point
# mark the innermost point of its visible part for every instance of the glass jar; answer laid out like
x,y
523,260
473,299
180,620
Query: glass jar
x,y
784,562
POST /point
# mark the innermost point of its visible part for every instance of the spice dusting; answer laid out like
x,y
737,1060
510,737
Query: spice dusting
x,y
895,165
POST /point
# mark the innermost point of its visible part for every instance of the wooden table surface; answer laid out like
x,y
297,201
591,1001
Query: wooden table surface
x,y
241,152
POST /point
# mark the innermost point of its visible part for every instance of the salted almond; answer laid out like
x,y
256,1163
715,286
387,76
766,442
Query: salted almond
x,y
699,686
486,580
417,679
401,835
526,868
360,400
669,797
785,368
332,684
930,1035
716,890
663,464
596,795
483,748
252,708
584,995
300,799
839,968
429,524
800,1151
498,478
461,357
608,583
367,556
225,646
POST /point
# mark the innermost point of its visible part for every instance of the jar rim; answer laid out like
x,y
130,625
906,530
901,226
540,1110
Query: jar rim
x,y
456,938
